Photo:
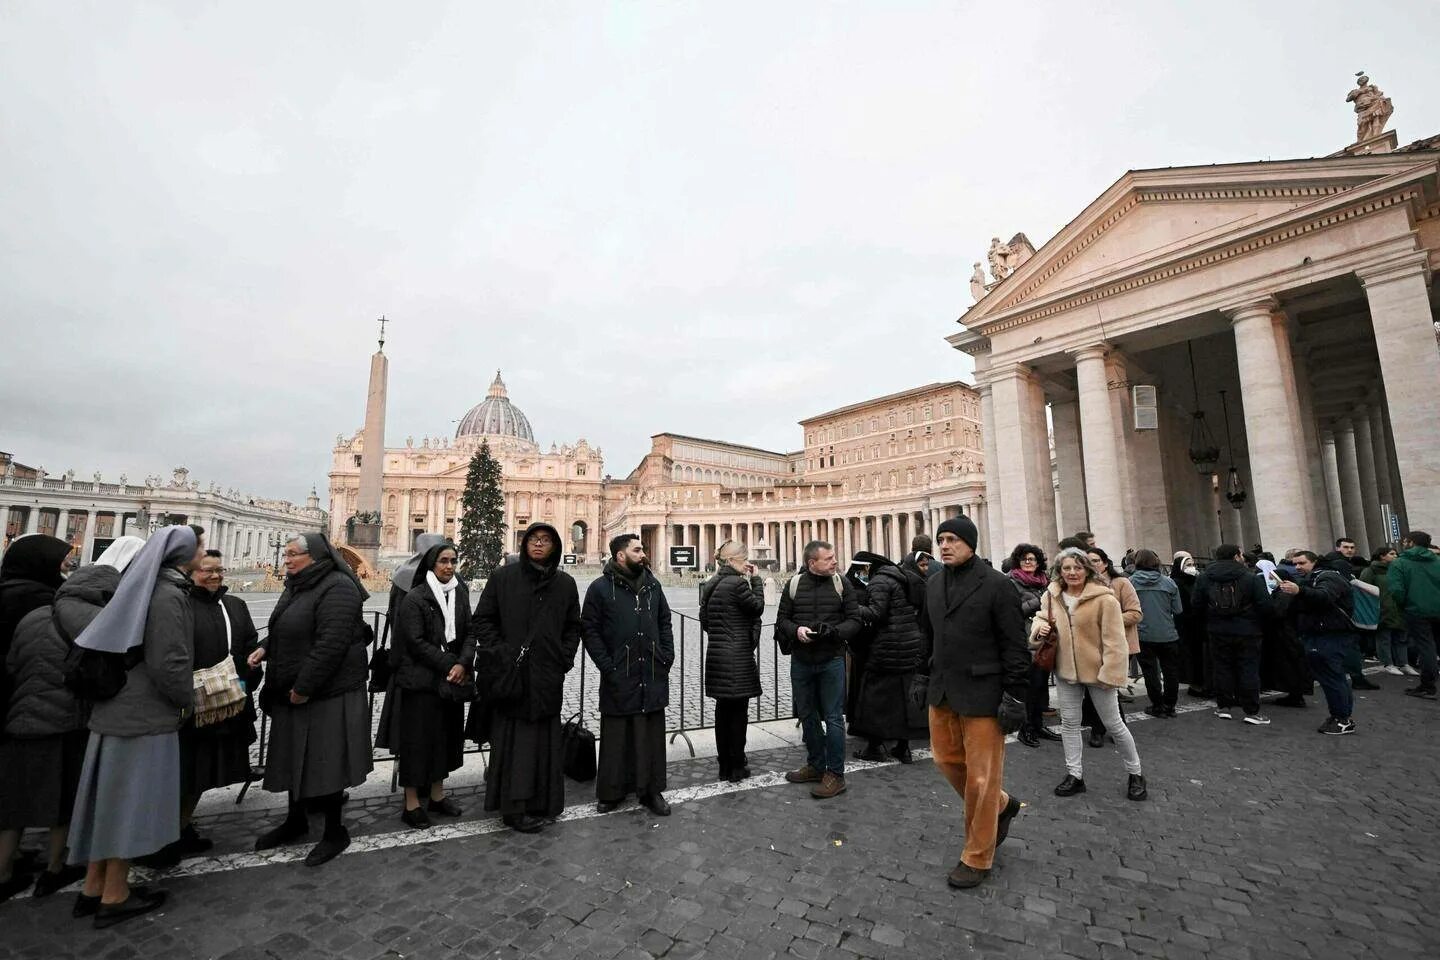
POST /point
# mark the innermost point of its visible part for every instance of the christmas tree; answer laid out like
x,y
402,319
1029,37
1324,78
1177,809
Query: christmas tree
x,y
482,536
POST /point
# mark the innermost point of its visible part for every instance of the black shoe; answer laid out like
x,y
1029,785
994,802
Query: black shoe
x,y
1362,683
445,807
1169,713
606,806
524,823
48,883
331,845
1155,710
1070,786
1028,737
87,906
109,914
656,804
288,832
1424,693
964,876
416,818
1136,788
191,843
874,754
1293,700
738,774
902,754
1195,691
162,859
18,883
1006,815
1097,738
1045,733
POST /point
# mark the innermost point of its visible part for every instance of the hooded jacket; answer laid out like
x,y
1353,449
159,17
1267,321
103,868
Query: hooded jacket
x,y
1160,603
897,645
1414,582
1324,599
521,603
629,637
1090,646
1378,575
1250,592
731,606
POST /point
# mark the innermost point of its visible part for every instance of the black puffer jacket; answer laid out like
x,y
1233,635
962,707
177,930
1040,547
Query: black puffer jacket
x,y
316,644
809,600
731,606
631,641
1324,600
521,603
423,658
897,646
1250,594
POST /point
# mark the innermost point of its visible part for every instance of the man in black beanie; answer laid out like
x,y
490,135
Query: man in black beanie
x,y
979,677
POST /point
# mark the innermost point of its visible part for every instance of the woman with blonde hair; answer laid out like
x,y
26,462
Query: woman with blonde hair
x,y
1091,655
731,604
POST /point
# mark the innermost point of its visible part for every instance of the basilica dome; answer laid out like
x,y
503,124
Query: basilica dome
x,y
495,416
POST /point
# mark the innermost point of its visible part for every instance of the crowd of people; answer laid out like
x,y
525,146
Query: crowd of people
x,y
130,685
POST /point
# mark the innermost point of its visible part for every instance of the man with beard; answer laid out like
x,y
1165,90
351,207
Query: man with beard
x,y
626,624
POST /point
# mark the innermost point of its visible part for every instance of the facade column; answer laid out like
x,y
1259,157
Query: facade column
x,y
1104,490
1336,505
1024,475
1380,456
1350,495
1069,462
32,520
1409,367
1272,424
1369,488
996,512
1313,458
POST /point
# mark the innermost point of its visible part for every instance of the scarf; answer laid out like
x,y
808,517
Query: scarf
x,y
121,625
1036,579
444,594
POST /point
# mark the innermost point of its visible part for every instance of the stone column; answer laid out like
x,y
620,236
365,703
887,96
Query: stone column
x,y
1069,462
1369,487
1313,458
1272,422
1104,489
1024,476
893,544
1350,495
1329,465
996,514
1380,456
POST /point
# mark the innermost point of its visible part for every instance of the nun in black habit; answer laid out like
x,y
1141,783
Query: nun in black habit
x,y
529,611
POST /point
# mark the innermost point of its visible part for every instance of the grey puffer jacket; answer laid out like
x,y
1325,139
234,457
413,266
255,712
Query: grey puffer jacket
x,y
159,693
41,705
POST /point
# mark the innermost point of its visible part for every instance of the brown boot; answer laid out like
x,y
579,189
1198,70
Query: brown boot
x,y
806,774
831,785
964,876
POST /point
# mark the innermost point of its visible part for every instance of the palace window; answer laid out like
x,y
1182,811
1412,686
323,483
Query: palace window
x,y
579,469
946,408
909,416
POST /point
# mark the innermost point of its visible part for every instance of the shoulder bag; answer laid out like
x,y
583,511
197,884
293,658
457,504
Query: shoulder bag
x,y
1045,653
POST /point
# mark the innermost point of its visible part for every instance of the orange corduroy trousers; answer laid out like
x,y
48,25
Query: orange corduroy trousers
x,y
970,752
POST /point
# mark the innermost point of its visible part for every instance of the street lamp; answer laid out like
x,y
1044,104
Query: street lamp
x,y
276,542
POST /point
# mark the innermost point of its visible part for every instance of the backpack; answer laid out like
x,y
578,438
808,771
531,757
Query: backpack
x,y
1230,599
836,581
1364,610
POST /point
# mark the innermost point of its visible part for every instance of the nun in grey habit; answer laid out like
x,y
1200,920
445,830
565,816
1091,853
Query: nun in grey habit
x,y
128,801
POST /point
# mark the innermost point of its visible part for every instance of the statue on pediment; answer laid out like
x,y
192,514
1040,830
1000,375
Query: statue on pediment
x,y
999,256
977,283
1372,108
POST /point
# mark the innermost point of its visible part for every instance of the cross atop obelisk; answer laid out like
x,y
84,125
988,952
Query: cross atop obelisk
x,y
382,321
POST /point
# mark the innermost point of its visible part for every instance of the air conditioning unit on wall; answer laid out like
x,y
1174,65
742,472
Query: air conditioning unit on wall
x,y
1147,413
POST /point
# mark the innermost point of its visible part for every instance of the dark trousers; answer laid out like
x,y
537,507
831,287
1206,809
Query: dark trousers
x,y
1237,671
1160,662
732,715
1326,653
1038,698
1422,633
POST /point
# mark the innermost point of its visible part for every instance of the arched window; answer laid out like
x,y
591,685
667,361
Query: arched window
x,y
578,530
391,504
549,507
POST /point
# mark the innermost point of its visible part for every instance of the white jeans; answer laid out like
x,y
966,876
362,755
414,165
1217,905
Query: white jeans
x,y
1070,697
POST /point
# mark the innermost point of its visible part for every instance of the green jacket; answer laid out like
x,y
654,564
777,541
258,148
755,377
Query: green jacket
x,y
1414,582
1378,574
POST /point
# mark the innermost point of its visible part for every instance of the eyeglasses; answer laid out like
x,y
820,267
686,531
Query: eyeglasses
x,y
290,554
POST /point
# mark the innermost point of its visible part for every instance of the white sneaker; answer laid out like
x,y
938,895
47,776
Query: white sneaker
x,y
1409,671
1394,670
1259,719
1223,713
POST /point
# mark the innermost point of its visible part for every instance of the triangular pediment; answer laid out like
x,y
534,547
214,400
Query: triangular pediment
x,y
1150,217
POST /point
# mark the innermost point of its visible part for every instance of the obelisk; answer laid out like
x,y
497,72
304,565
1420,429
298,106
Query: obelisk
x,y
365,536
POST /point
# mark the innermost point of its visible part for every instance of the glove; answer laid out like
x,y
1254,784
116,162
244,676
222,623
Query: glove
x,y
1011,714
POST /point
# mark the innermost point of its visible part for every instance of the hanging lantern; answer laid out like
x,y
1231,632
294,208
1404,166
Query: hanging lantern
x,y
1203,452
1234,489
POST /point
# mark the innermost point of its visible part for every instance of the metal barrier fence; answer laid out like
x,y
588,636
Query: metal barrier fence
x,y
686,713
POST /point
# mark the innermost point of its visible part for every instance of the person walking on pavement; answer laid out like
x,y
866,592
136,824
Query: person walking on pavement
x,y
626,625
1414,582
895,597
1321,599
1159,638
1391,645
528,619
817,619
1090,654
979,676
1027,574
731,605
1235,602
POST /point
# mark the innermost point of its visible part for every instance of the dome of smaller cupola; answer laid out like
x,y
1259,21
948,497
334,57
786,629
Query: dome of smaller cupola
x,y
495,416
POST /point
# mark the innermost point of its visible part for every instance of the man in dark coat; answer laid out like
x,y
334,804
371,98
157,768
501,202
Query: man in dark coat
x,y
1235,602
529,613
818,618
1322,601
979,677
626,625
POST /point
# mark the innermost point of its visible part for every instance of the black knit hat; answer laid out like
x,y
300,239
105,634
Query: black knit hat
x,y
963,527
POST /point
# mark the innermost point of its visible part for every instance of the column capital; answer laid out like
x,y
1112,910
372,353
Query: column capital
x,y
1399,268
1093,351
1266,307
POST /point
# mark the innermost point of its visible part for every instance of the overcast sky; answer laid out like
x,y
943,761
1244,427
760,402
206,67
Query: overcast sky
x,y
712,219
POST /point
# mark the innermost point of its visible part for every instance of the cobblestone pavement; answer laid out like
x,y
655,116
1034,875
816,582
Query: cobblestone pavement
x,y
1256,842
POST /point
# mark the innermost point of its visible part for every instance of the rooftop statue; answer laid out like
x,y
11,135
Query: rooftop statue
x,y
999,254
1372,108
977,283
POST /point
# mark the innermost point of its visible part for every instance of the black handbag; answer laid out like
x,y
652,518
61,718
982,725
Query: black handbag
x,y
462,692
579,745
498,679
